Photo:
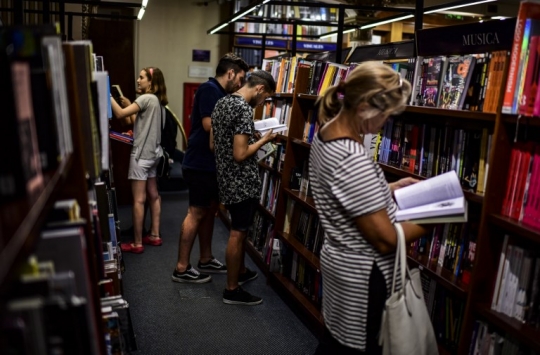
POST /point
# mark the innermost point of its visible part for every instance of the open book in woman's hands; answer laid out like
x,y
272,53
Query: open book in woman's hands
x,y
436,200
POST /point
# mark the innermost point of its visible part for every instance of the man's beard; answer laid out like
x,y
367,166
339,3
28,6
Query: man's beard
x,y
230,87
254,101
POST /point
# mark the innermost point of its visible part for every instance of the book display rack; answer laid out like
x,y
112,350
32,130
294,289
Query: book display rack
x,y
60,260
460,280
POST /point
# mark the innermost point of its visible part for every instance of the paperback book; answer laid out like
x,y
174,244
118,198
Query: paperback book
x,y
272,123
436,200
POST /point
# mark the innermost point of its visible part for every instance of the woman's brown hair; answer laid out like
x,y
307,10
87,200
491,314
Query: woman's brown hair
x,y
157,87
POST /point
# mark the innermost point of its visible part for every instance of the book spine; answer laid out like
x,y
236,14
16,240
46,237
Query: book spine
x,y
527,9
529,88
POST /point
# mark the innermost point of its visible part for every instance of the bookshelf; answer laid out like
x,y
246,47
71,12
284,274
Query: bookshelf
x,y
475,294
490,225
52,247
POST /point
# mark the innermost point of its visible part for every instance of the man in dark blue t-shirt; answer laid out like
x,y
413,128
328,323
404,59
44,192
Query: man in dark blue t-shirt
x,y
199,172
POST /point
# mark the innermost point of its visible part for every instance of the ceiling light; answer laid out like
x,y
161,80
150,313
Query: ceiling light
x,y
141,13
375,24
457,6
218,28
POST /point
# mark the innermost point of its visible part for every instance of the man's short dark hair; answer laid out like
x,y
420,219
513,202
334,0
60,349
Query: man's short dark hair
x,y
262,77
231,61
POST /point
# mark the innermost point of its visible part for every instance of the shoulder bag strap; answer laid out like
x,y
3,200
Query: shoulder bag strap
x,y
401,258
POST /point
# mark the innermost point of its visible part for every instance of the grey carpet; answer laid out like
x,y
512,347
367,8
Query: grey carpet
x,y
173,318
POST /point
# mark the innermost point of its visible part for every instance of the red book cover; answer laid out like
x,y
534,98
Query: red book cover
x,y
528,97
509,182
522,179
515,179
532,204
527,9
414,148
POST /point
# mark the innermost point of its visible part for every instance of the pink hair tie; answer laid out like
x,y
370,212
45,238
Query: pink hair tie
x,y
151,70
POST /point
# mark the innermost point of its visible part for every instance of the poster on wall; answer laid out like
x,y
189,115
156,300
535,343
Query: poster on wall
x,y
200,55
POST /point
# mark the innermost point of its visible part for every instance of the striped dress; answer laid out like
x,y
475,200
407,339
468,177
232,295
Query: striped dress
x,y
346,184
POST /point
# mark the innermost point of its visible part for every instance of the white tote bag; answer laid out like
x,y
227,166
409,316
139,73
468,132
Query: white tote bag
x,y
406,328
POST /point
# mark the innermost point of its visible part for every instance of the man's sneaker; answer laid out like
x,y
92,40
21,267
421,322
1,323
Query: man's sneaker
x,y
213,266
190,276
247,276
240,297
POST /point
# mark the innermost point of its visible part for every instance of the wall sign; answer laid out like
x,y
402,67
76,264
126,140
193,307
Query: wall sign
x,y
200,72
200,55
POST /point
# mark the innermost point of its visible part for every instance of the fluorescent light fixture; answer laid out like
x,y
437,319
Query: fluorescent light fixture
x,y
141,13
375,24
218,28
457,6
328,35
145,3
242,14
498,17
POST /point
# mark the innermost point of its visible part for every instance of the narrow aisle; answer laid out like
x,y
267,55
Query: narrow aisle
x,y
173,318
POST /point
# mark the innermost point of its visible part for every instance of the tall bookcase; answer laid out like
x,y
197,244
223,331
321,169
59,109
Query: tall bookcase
x,y
61,299
484,208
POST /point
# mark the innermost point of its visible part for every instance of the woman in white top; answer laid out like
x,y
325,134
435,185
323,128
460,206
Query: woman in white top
x,y
356,208
146,115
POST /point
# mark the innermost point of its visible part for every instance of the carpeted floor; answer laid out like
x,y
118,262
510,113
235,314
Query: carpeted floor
x,y
173,318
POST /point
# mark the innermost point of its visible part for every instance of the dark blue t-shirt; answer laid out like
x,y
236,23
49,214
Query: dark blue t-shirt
x,y
198,154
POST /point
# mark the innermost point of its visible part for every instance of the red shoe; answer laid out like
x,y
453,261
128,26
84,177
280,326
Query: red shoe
x,y
130,248
156,241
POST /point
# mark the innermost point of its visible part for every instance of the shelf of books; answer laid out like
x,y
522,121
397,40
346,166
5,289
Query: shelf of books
x,y
454,122
59,255
22,218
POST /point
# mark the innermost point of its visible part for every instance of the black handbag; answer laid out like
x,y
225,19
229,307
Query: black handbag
x,y
164,166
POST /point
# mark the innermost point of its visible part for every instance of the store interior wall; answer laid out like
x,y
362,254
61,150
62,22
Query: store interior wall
x,y
166,36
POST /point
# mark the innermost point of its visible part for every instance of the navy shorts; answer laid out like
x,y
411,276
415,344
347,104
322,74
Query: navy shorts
x,y
242,214
202,187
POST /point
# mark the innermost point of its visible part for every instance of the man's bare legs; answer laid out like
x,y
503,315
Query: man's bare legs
x,y
188,232
206,231
234,257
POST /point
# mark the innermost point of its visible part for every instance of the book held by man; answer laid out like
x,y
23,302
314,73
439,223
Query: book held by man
x,y
271,123
436,200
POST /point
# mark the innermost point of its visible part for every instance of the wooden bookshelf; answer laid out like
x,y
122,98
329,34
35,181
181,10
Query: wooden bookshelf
x,y
266,213
298,247
522,332
443,276
300,143
515,227
307,97
273,171
22,219
301,300
303,199
460,114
